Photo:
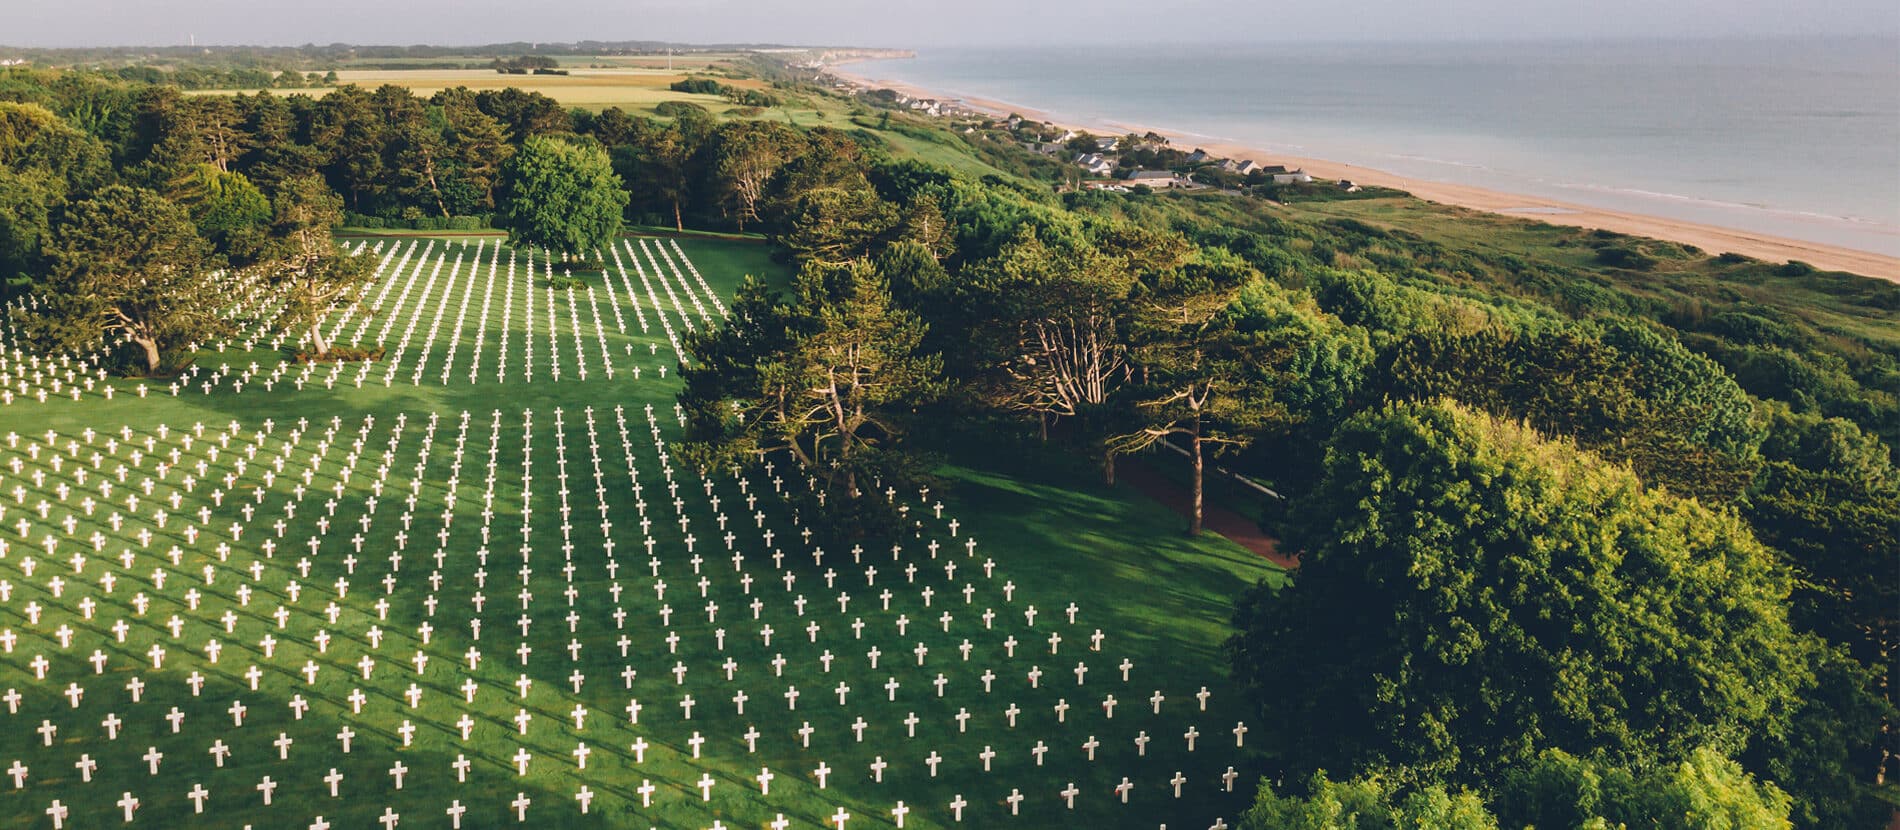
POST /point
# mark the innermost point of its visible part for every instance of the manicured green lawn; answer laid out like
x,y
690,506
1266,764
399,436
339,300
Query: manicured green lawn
x,y
1160,600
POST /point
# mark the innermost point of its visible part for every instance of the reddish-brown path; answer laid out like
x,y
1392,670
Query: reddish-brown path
x,y
1235,527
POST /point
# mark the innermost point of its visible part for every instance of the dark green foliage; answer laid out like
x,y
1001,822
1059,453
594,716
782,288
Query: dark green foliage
x,y
527,64
229,211
700,86
754,99
303,259
1827,756
1367,803
561,195
420,223
679,109
28,200
1705,790
1555,790
128,262
1627,391
834,225
827,377
1471,595
33,138
1620,257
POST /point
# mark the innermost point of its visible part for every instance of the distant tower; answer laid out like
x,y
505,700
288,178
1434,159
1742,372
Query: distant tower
x,y
193,39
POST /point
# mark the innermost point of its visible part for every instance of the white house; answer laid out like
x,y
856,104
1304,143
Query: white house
x,y
1152,178
1294,176
1096,163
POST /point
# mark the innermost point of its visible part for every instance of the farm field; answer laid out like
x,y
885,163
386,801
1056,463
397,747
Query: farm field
x,y
468,584
631,89
637,90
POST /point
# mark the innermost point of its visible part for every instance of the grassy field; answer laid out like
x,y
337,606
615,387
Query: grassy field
x,y
681,62
638,84
1842,304
461,479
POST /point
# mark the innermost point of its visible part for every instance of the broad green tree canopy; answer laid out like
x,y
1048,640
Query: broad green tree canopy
x,y
128,262
561,195
1471,594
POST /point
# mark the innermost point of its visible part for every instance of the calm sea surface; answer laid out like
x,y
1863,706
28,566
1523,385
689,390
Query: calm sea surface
x,y
1797,138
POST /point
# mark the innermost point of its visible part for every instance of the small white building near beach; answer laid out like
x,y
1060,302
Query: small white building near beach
x,y
1096,163
1152,178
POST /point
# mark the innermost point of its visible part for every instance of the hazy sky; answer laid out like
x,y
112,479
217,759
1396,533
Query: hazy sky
x,y
913,23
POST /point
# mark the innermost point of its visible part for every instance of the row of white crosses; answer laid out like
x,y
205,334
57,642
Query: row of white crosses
x,y
626,283
237,712
63,376
394,358
387,278
337,320
653,301
711,295
365,671
29,376
424,316
1140,741
250,295
255,304
653,425
671,273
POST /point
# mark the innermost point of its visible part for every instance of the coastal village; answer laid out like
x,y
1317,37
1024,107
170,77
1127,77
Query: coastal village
x,y
1126,163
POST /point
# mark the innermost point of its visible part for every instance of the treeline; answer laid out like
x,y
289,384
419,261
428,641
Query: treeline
x,y
202,77
402,158
1566,561
528,64
742,97
323,56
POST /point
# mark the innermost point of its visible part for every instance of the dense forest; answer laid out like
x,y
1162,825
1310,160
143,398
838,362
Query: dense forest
x,y
1580,546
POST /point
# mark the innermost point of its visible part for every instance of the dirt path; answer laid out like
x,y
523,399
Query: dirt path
x,y
1237,528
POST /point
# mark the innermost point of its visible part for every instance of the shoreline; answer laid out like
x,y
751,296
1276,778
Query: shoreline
x,y
1710,238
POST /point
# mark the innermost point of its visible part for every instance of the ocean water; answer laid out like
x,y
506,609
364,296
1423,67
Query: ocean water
x,y
1795,138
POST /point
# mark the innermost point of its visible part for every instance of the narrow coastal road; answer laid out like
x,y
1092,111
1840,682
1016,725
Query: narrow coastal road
x,y
1241,530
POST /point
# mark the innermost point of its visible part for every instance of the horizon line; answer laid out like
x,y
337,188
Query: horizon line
x,y
539,45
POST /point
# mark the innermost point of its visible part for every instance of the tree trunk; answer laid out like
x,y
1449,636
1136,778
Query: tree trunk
x,y
1108,467
678,223
436,191
316,339
1194,521
150,347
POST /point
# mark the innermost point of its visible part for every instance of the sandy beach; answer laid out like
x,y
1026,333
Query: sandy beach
x,y
1709,238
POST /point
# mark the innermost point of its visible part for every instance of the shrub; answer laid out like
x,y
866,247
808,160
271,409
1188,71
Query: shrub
x,y
700,86
678,109
341,354
1626,258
